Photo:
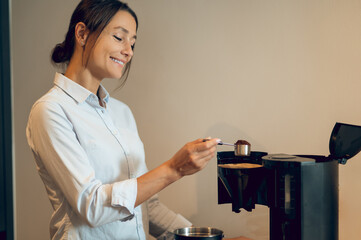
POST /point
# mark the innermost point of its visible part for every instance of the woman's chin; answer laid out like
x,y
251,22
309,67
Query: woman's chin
x,y
115,75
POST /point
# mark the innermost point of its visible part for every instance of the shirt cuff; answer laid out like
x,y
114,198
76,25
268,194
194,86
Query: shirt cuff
x,y
124,194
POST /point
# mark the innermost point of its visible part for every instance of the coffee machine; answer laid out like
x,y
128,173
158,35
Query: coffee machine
x,y
301,191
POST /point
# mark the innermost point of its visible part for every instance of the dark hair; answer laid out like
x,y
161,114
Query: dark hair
x,y
95,14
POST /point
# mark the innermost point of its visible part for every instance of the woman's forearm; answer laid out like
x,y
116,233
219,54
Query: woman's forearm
x,y
154,181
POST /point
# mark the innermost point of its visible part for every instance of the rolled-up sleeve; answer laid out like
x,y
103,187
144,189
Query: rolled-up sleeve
x,y
121,198
162,221
56,148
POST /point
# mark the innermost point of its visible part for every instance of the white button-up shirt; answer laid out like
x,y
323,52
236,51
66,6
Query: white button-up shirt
x,y
89,157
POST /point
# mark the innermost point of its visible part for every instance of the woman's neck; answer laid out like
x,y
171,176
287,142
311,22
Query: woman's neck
x,y
81,75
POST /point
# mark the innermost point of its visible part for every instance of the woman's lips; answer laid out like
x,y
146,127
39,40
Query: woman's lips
x,y
117,61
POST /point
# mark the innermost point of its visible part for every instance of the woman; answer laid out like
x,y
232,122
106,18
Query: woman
x,y
86,145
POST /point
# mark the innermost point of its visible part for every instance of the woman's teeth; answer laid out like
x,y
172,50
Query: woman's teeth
x,y
117,61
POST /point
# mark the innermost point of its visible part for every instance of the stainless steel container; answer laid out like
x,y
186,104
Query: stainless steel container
x,y
198,233
242,148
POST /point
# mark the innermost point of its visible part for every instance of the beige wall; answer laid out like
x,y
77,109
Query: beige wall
x,y
277,73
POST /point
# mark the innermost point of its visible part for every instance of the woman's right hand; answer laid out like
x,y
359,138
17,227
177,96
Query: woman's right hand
x,y
193,156
190,159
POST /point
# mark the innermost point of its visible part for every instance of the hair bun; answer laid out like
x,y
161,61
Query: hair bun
x,y
60,53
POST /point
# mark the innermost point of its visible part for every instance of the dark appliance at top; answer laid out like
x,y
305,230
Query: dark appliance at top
x,y
301,191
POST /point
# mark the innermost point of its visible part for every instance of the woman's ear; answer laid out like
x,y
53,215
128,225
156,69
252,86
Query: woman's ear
x,y
81,34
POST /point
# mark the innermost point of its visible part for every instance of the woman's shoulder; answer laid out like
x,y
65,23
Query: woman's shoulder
x,y
50,101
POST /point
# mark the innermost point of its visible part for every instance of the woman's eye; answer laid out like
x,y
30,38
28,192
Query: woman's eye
x,y
117,38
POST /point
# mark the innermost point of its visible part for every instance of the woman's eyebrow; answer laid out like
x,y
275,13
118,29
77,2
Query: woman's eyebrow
x,y
125,31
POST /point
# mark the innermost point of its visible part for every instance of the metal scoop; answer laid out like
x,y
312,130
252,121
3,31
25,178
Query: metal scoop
x,y
228,144
241,147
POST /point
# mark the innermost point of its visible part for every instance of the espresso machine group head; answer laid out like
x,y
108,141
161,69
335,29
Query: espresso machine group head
x,y
301,191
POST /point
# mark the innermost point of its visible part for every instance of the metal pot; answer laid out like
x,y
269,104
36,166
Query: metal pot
x,y
198,233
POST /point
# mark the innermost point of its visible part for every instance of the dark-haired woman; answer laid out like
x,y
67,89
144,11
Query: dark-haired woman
x,y
86,144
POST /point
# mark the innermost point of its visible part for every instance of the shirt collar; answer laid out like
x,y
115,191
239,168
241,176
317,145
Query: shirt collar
x,y
78,92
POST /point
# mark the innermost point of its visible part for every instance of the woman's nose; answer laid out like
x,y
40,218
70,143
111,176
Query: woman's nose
x,y
127,49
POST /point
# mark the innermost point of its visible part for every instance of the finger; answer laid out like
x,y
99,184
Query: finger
x,y
209,139
207,154
205,160
200,140
207,144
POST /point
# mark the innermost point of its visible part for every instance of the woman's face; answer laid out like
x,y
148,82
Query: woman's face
x,y
113,48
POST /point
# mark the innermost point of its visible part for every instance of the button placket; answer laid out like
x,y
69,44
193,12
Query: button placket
x,y
115,132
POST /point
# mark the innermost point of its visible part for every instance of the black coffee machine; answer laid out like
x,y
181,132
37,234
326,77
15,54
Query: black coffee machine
x,y
301,191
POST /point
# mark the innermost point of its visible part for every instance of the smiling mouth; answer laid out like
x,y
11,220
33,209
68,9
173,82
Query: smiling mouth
x,y
117,61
